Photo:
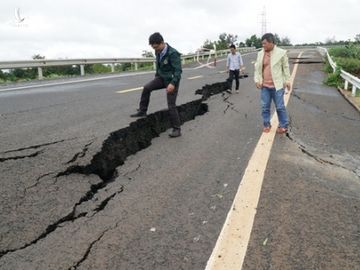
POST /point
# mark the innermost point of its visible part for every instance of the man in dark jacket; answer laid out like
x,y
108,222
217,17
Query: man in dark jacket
x,y
168,75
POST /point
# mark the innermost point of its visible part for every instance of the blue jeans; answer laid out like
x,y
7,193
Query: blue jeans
x,y
268,94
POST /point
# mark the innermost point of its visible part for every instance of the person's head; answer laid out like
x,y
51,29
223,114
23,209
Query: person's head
x,y
232,48
268,42
156,41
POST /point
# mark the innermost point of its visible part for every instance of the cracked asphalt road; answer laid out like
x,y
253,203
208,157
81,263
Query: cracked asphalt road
x,y
309,211
163,207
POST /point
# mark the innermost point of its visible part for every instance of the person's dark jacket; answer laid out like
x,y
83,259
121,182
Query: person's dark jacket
x,y
169,68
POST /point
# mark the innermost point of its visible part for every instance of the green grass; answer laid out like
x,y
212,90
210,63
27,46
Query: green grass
x,y
351,65
348,51
346,58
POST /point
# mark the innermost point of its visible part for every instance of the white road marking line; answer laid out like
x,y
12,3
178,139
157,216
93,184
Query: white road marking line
x,y
231,246
195,77
129,90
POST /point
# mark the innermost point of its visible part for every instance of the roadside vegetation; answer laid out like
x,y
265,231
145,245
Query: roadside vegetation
x,y
346,57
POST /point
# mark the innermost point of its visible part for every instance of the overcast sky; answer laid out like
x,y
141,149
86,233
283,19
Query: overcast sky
x,y
109,28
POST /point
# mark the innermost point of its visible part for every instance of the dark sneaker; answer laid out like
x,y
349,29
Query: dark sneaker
x,y
176,132
138,114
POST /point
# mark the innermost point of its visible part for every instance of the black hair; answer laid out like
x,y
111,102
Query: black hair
x,y
232,46
268,37
156,38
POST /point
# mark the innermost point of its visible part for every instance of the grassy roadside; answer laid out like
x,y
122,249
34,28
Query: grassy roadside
x,y
348,59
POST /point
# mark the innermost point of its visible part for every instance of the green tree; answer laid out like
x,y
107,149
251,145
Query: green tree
x,y
208,44
2,76
253,41
225,40
277,39
285,41
357,38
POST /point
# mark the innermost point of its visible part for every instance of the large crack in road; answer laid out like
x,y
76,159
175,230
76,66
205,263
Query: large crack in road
x,y
117,147
316,157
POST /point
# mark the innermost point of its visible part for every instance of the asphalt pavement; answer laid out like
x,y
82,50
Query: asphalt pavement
x,y
164,206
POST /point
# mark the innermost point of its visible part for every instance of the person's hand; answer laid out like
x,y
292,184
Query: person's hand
x,y
170,88
258,85
287,85
227,70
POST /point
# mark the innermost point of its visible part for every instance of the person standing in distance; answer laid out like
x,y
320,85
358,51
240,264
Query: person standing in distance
x,y
272,75
168,75
234,64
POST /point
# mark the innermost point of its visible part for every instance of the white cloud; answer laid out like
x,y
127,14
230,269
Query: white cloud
x,y
76,29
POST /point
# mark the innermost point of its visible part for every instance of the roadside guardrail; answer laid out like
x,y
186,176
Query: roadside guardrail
x,y
348,78
41,63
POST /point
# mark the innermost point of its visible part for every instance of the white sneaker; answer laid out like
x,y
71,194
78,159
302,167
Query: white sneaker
x,y
237,91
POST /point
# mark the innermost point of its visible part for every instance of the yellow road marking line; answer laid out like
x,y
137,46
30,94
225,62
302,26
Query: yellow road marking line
x,y
129,90
195,77
231,246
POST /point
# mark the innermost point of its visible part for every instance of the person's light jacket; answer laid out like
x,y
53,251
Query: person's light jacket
x,y
280,70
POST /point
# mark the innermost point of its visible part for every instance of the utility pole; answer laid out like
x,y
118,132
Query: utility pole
x,y
263,21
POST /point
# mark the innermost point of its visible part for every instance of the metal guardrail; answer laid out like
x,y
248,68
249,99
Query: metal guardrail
x,y
348,78
41,63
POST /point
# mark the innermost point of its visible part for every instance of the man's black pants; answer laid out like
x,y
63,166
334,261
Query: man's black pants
x,y
156,84
233,73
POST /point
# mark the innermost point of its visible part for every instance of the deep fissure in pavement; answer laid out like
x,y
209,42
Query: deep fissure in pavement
x,y
137,136
119,145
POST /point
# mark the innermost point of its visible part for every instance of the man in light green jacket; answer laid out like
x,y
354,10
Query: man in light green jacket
x,y
272,76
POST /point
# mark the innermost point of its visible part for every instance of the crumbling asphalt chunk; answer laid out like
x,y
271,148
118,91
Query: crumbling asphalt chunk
x,y
210,90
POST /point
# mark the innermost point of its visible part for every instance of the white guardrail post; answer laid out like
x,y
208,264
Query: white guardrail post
x,y
82,70
348,78
40,73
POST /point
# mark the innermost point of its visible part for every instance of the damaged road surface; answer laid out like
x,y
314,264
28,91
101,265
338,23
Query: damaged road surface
x,y
56,231
309,209
123,195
